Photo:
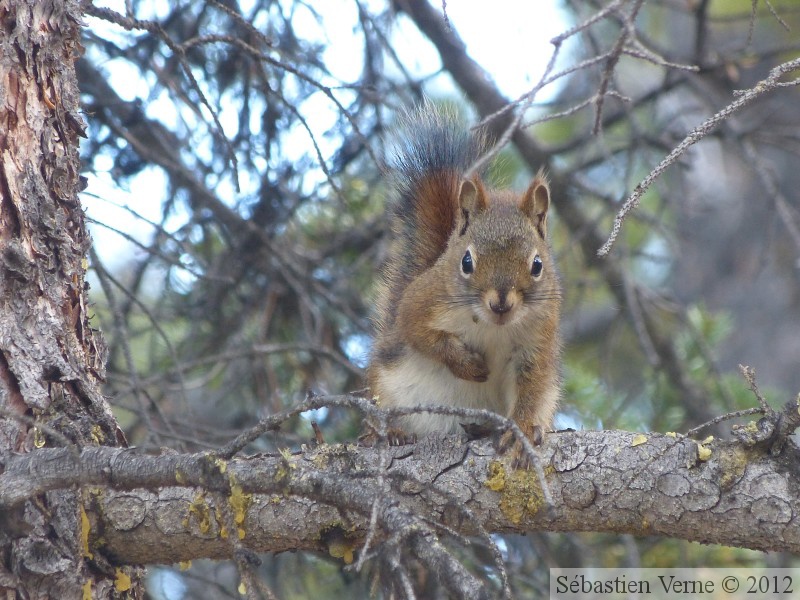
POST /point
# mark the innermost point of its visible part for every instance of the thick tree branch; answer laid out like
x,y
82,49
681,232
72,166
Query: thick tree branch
x,y
718,492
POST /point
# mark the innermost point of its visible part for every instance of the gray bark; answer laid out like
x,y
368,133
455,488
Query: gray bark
x,y
51,361
613,481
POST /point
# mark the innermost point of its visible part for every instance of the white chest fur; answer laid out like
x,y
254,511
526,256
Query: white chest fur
x,y
417,380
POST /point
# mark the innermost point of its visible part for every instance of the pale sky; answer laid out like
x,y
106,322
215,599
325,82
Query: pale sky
x,y
511,40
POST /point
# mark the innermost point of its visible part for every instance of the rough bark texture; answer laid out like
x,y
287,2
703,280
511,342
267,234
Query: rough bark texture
x,y
720,492
51,360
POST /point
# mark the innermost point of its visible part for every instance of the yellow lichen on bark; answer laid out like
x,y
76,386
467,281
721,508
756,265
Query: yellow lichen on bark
x,y
122,581
239,502
199,508
85,530
521,492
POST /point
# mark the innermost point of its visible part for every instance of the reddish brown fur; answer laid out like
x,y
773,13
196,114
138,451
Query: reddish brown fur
x,y
458,338
436,205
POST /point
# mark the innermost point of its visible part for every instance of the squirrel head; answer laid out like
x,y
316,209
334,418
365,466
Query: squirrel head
x,y
498,256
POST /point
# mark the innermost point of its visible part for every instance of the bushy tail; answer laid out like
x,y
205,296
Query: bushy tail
x,y
431,155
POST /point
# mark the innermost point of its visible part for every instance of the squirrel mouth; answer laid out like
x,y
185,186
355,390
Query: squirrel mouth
x,y
501,310
503,317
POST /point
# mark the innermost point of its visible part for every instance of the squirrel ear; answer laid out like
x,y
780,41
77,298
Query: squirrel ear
x,y
471,200
535,203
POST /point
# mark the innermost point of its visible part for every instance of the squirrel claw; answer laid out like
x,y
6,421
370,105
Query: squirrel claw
x,y
398,437
395,437
514,448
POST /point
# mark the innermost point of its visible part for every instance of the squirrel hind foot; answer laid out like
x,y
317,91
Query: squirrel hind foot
x,y
514,449
394,435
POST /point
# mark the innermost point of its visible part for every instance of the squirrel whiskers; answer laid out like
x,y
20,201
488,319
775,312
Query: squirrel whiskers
x,y
468,310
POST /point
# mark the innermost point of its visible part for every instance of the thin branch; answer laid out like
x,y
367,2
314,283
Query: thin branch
x,y
776,426
698,133
784,208
776,16
749,375
726,417
179,52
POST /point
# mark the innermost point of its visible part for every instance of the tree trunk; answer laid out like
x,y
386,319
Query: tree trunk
x,y
51,360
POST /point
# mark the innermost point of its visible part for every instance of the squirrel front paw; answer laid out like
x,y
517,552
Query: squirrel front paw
x,y
469,365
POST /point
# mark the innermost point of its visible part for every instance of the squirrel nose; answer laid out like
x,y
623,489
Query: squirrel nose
x,y
500,308
500,305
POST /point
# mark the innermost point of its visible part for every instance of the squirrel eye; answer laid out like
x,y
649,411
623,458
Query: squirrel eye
x,y
467,266
536,266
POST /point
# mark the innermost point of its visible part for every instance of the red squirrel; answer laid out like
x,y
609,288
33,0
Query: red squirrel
x,y
468,308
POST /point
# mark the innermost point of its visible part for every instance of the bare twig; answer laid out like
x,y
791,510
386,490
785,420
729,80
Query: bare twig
x,y
180,54
776,426
698,133
726,417
611,62
776,16
749,375
785,211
